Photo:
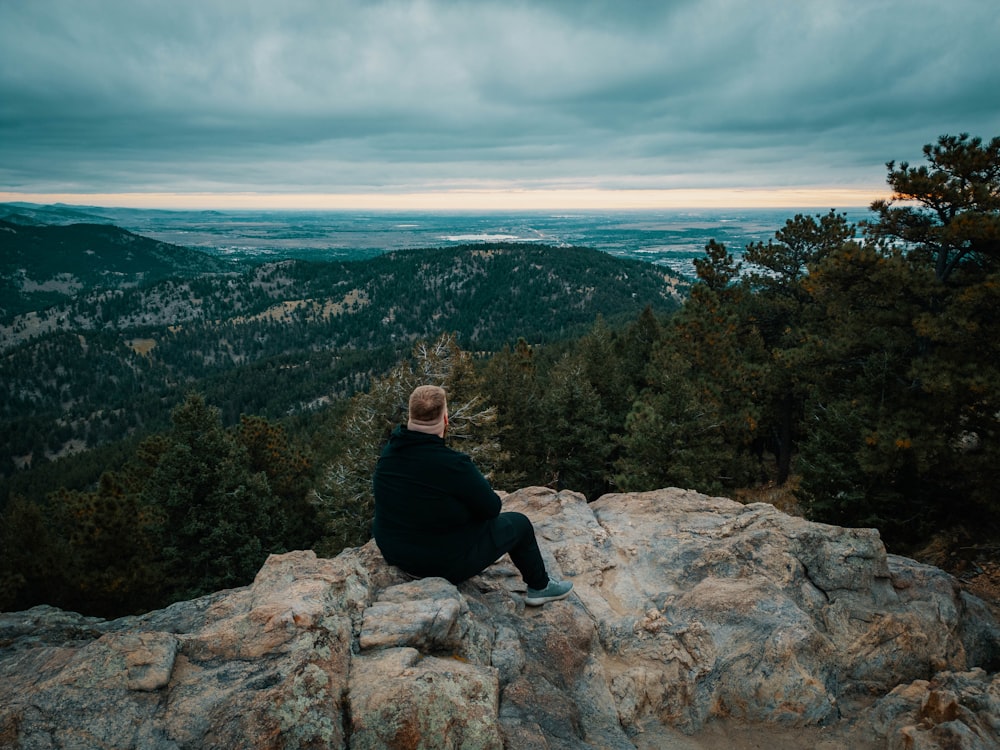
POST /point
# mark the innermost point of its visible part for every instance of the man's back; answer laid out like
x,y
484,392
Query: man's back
x,y
429,500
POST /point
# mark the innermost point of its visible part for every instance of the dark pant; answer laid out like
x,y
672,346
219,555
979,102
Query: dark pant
x,y
509,533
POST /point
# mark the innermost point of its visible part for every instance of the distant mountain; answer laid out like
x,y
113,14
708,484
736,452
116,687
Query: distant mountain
x,y
34,214
120,349
44,265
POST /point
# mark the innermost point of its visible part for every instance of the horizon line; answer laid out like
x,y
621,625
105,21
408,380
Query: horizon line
x,y
472,200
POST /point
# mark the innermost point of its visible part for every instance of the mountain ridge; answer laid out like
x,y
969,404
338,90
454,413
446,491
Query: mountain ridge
x,y
118,351
44,265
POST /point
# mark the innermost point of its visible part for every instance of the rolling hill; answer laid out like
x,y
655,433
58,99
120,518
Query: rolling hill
x,y
42,266
114,328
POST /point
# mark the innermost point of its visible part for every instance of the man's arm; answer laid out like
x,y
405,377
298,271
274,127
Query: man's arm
x,y
475,491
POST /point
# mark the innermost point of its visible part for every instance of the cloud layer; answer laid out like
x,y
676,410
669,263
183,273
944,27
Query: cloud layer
x,y
328,96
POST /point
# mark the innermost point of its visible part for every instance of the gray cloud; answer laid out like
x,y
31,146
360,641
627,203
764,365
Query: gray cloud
x,y
321,96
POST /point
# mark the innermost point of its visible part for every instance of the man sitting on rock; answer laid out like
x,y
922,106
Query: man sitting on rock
x,y
436,514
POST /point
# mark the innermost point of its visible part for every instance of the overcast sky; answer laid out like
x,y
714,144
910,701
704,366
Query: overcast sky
x,y
300,98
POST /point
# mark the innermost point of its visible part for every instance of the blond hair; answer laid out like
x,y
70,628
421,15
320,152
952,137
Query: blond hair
x,y
427,407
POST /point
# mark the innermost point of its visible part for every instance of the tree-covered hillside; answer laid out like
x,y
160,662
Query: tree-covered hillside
x,y
41,266
276,338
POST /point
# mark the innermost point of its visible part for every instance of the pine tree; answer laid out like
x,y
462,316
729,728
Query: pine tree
x,y
109,533
950,211
638,342
574,431
869,421
32,573
677,433
715,346
777,281
290,475
510,383
903,350
219,519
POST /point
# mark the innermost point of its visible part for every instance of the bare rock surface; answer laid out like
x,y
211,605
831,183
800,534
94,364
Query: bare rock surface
x,y
696,623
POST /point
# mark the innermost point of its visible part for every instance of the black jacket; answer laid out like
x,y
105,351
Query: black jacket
x,y
431,503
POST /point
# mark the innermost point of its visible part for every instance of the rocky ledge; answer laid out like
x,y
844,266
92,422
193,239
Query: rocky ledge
x,y
689,613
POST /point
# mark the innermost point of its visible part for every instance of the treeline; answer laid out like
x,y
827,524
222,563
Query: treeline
x,y
194,510
861,361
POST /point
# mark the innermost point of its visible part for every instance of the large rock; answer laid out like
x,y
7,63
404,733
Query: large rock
x,y
691,614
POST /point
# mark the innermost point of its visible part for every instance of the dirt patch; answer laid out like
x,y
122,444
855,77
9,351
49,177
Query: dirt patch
x,y
985,584
973,559
781,496
141,346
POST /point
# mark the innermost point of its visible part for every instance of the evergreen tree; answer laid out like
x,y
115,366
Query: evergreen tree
x,y
903,348
779,295
290,475
917,409
673,435
638,342
112,568
220,520
575,430
32,573
718,270
958,369
599,352
715,345
510,383
950,212
858,349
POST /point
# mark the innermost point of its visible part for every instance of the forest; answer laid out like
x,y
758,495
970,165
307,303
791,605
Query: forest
x,y
856,368
276,338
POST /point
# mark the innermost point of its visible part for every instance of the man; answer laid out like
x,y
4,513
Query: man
x,y
436,514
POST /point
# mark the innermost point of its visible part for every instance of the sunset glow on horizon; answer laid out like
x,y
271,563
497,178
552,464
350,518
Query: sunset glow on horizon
x,y
471,200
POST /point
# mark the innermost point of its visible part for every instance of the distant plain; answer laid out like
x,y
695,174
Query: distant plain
x,y
670,238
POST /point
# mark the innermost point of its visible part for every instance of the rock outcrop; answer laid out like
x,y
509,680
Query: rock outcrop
x,y
690,614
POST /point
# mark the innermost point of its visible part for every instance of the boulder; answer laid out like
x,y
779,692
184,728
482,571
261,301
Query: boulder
x,y
695,622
